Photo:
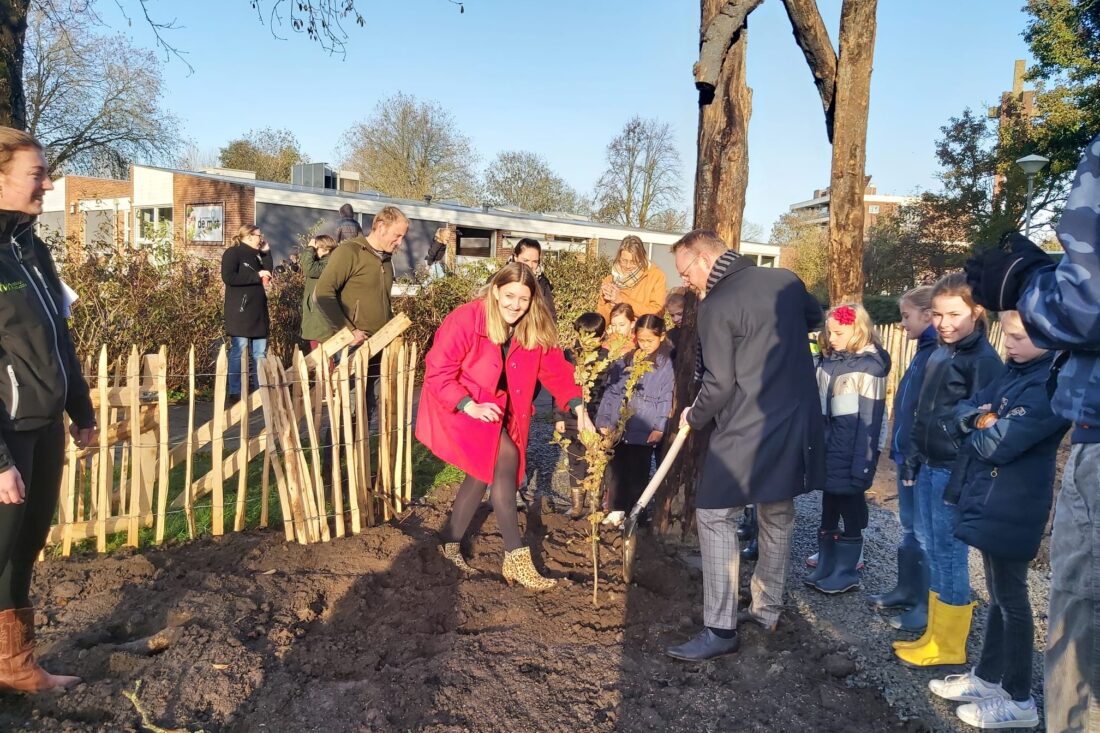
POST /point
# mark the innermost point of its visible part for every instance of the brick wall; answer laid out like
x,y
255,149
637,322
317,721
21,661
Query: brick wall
x,y
84,188
870,219
240,208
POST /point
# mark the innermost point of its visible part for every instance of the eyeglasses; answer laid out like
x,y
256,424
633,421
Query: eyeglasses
x,y
683,273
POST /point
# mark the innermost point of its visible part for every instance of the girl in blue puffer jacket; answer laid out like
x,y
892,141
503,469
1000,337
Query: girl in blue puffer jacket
x,y
651,404
911,592
851,377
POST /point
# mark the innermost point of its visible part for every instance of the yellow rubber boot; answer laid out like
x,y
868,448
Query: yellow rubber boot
x,y
933,599
947,644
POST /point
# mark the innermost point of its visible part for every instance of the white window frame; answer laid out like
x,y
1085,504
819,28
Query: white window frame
x,y
157,210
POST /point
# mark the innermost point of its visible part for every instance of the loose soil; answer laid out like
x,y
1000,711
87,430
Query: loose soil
x,y
378,633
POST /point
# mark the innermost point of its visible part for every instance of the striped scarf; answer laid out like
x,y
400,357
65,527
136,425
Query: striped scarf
x,y
720,266
626,282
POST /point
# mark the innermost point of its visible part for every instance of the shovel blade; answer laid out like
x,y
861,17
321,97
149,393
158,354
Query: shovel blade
x,y
630,546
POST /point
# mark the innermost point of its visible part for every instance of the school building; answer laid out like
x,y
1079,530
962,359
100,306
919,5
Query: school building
x,y
200,211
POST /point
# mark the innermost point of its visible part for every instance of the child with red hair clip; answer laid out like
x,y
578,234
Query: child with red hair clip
x,y
851,378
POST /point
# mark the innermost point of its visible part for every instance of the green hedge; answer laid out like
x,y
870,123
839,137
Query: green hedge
x,y
882,308
148,299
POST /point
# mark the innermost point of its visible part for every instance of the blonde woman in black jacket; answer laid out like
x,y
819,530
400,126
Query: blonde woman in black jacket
x,y
39,380
246,272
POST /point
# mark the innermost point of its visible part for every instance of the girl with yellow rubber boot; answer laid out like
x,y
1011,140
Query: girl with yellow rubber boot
x,y
963,364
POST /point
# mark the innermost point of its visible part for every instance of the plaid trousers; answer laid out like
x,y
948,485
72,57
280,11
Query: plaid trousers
x,y
722,562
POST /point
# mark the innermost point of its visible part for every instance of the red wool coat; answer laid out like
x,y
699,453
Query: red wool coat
x,y
463,362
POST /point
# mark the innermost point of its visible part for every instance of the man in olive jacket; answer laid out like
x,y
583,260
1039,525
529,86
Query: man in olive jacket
x,y
759,392
354,289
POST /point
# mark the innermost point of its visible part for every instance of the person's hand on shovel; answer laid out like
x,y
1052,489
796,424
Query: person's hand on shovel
x,y
684,416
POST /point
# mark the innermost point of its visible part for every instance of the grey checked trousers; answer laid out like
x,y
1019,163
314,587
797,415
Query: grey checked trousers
x,y
1071,678
722,562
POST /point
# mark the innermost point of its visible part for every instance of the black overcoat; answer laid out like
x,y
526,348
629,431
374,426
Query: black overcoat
x,y
759,389
245,297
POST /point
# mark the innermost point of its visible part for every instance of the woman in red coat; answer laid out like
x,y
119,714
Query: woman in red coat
x,y
476,405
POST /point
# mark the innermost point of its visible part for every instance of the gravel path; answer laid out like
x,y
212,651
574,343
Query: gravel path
x,y
848,619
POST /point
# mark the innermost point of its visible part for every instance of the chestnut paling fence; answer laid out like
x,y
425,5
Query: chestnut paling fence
x,y
333,474
901,349
315,441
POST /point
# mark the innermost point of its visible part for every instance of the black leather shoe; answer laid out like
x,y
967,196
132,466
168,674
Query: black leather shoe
x,y
748,617
704,645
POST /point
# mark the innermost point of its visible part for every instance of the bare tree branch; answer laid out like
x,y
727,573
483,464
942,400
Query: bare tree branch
x,y
813,38
717,36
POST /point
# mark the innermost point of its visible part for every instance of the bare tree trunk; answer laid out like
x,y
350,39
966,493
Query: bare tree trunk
x,y
721,176
722,168
13,31
848,182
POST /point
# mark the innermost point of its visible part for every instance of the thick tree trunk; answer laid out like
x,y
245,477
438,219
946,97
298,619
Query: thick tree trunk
x,y
721,176
13,31
722,168
848,182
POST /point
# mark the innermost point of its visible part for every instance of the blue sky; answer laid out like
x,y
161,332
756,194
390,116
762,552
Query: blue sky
x,y
561,78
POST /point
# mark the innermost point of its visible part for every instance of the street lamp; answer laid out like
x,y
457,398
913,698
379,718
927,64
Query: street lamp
x,y
1031,164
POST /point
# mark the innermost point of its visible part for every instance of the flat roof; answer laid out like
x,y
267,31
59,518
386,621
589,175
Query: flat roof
x,y
272,192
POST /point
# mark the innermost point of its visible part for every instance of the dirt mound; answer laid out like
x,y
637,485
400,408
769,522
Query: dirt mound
x,y
379,633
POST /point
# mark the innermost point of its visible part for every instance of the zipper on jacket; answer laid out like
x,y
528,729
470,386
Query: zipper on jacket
x,y
901,399
13,408
954,442
48,310
992,483
53,305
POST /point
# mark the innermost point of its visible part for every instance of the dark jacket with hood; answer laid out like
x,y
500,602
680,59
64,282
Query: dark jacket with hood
x,y
1004,478
40,375
245,298
853,400
599,385
758,388
905,398
954,373
314,325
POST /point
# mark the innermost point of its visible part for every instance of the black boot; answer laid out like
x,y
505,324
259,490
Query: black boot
x,y
916,618
844,576
826,547
751,551
908,592
746,530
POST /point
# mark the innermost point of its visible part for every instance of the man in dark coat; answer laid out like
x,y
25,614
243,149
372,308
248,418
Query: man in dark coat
x,y
759,391
348,227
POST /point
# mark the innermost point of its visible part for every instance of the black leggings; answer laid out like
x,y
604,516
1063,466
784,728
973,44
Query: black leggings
x,y
851,507
502,495
39,456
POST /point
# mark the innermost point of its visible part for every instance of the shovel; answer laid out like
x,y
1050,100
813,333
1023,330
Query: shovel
x,y
630,525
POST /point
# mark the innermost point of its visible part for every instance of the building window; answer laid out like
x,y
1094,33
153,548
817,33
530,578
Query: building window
x,y
765,260
872,209
154,225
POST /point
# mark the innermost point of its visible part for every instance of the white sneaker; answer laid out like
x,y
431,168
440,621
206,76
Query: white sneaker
x,y
967,687
614,519
999,712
